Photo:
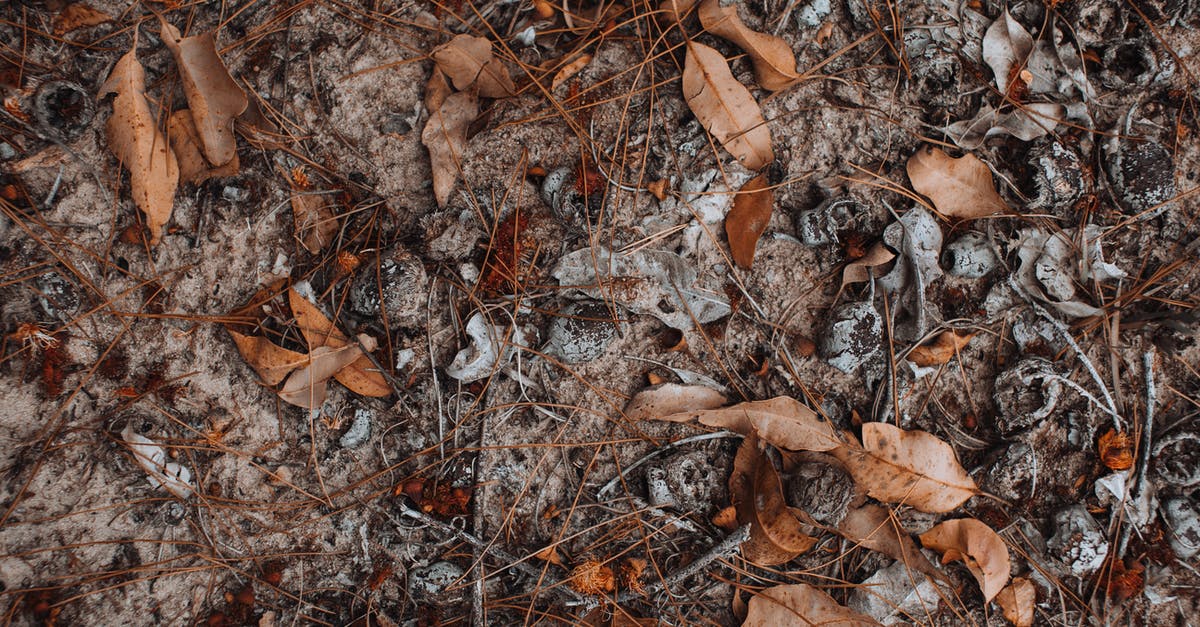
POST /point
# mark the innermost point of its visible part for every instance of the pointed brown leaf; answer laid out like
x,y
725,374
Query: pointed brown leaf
x,y
361,376
781,421
748,218
861,269
959,188
801,604
273,363
134,138
1018,600
725,107
873,527
773,59
981,549
777,533
193,167
468,61
666,399
911,467
305,387
445,136
942,349
437,89
214,98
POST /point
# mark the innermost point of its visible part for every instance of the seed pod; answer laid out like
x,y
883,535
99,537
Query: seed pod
x,y
820,225
1141,171
852,337
63,109
581,332
396,285
1059,176
58,297
970,256
1026,394
1135,64
1177,459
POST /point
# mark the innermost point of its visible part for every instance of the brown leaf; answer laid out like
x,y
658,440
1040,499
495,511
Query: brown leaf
x,y
550,554
360,376
911,467
214,98
437,89
777,531
959,188
874,527
860,269
445,136
569,70
1017,600
981,549
134,138
801,604
273,363
748,218
76,16
725,107
468,61
305,387
781,421
665,399
315,219
675,10
773,59
193,167
941,350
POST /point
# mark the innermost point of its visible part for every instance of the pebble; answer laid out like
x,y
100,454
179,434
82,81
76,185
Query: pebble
x,y
580,332
234,194
1079,541
852,337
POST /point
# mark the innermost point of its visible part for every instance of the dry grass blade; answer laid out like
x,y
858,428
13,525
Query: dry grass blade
x,y
773,59
725,107
214,98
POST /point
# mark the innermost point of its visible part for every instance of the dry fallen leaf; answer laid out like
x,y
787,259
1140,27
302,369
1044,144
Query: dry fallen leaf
x,y
193,167
569,70
437,89
959,188
467,60
78,15
773,59
666,399
1017,600
874,527
800,604
550,554
305,387
725,107
981,549
860,269
911,467
214,98
776,530
941,350
445,136
134,138
781,421
273,363
361,376
748,218
314,217
1116,450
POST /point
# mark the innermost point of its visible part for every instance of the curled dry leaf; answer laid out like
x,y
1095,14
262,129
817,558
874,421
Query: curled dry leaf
x,y
800,604
1017,600
193,167
725,107
777,531
569,70
360,376
468,61
981,549
134,138
305,386
667,399
445,136
874,527
941,350
959,188
773,59
860,269
270,361
214,98
781,421
76,16
174,478
1006,46
745,223
911,467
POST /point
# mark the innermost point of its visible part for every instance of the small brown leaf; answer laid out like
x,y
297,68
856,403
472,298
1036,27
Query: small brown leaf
x,y
777,531
1018,600
272,362
725,107
314,217
874,527
666,399
773,59
861,269
911,467
361,376
959,188
436,91
781,421
134,138
569,70
445,136
550,554
981,549
76,16
193,167
746,221
468,61
941,350
801,604
214,98
305,387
